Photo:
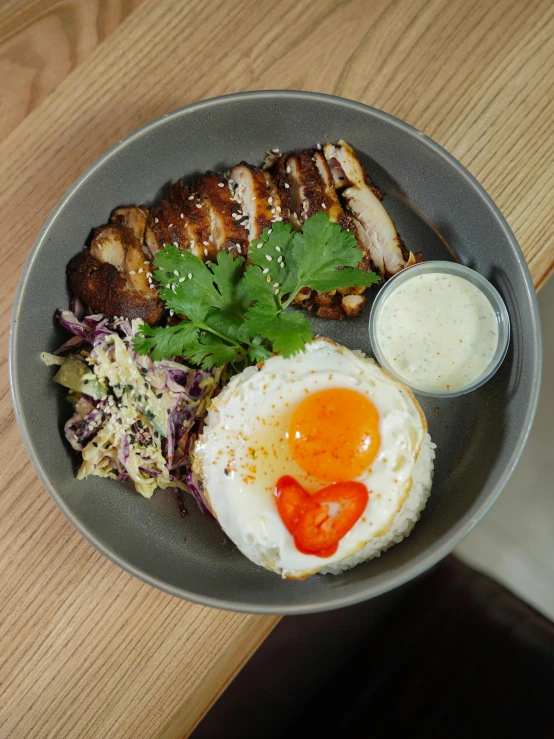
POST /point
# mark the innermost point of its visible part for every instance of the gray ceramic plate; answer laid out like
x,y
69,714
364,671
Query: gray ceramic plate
x,y
439,209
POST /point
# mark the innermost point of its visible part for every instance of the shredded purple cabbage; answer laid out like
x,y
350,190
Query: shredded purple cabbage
x,y
195,486
77,308
85,422
184,392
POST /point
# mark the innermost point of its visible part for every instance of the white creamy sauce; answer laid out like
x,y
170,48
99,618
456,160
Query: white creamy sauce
x,y
438,331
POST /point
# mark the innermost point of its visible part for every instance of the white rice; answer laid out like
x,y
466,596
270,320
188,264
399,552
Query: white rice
x,y
406,518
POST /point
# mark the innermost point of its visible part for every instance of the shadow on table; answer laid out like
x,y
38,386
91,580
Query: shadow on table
x,y
452,655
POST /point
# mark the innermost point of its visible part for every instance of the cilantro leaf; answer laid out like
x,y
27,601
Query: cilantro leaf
x,y
272,252
288,331
257,351
211,351
172,341
191,295
320,249
234,314
260,288
227,273
224,323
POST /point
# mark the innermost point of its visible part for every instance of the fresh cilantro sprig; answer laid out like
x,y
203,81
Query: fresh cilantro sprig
x,y
234,315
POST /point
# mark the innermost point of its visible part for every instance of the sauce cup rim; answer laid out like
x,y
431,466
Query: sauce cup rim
x,y
472,276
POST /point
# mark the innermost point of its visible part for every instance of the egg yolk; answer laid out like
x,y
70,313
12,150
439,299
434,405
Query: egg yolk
x,y
334,434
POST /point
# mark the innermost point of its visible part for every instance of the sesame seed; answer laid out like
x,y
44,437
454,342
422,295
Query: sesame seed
x,y
323,206
280,259
175,243
182,215
170,225
275,151
275,284
287,185
221,184
206,252
269,230
259,246
288,170
171,312
191,197
140,271
190,276
276,292
175,273
239,250
278,218
146,261
282,264
198,205
181,279
277,248
270,200
279,208
319,147
132,272
265,271
206,243
231,181
268,257
155,220
268,279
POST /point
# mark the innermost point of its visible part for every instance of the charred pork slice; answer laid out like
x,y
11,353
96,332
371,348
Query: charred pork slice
x,y
218,199
113,276
376,229
132,216
185,223
277,169
312,189
311,186
257,198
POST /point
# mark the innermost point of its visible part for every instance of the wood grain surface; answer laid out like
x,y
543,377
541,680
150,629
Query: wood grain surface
x,y
42,41
85,649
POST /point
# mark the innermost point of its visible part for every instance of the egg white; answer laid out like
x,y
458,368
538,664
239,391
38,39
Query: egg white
x,y
244,450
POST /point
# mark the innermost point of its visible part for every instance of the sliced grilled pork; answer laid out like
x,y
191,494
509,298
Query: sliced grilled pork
x,y
132,216
376,229
306,185
278,198
330,198
277,170
166,226
113,276
258,199
312,189
226,231
183,221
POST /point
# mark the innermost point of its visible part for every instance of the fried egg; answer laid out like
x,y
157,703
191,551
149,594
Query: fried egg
x,y
327,415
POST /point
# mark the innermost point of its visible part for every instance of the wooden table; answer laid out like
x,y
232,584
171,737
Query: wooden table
x,y
86,650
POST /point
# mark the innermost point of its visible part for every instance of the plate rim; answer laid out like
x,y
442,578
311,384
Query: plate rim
x,y
447,542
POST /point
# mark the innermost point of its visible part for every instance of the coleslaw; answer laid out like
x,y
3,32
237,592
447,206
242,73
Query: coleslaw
x,y
134,418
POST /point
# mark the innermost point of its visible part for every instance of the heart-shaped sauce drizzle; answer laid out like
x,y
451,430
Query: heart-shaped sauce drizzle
x,y
319,521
